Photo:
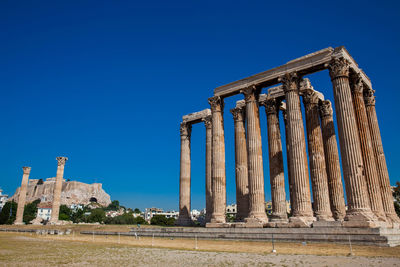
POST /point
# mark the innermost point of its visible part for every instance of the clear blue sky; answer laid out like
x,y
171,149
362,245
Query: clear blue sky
x,y
105,83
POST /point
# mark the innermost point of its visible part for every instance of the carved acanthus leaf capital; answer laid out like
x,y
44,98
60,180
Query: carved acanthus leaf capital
x,y
339,67
208,122
310,97
356,84
61,160
325,108
26,170
185,129
271,105
216,103
290,82
238,113
369,97
250,93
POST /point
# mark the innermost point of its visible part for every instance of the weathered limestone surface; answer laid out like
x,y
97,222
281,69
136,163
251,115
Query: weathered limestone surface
x,y
57,189
184,218
276,174
302,211
368,156
254,157
208,124
22,196
218,173
336,194
241,170
359,209
383,175
196,117
290,176
319,179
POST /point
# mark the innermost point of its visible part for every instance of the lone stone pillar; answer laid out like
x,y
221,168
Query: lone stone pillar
x,y
319,179
368,156
57,189
184,218
218,174
208,124
383,175
22,196
242,181
254,158
336,195
302,211
290,176
277,177
359,209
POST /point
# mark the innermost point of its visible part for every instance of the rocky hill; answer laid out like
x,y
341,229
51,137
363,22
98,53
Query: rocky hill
x,y
73,192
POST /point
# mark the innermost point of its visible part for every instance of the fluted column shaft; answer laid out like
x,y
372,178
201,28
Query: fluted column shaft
x,y
290,177
367,152
382,171
254,158
184,218
218,172
336,194
276,174
57,189
297,151
208,124
319,179
22,196
359,208
241,171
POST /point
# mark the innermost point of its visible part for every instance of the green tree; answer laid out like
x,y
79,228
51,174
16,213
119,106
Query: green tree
x,y
114,205
65,213
136,210
139,220
396,195
7,217
97,215
30,211
162,220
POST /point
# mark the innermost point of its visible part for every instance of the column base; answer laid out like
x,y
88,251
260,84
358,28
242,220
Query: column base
x,y
19,223
279,218
218,218
393,218
364,219
301,221
324,218
184,221
257,217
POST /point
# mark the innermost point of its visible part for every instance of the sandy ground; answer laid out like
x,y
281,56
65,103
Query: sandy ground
x,y
31,250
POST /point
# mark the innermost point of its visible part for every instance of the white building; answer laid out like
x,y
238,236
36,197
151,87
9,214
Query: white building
x,y
150,212
3,199
44,211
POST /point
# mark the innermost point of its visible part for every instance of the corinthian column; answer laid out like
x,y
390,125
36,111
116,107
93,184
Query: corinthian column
x,y
242,181
254,158
218,174
368,156
319,179
359,209
57,189
208,124
290,177
301,210
376,140
336,195
276,174
184,218
22,196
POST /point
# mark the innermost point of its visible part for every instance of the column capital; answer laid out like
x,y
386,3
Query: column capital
x,y
237,113
356,83
186,129
339,67
325,108
61,160
310,97
250,93
290,82
369,97
208,121
216,103
271,105
26,170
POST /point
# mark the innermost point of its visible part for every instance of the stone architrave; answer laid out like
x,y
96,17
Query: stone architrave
x,y
22,196
290,176
319,179
367,152
336,194
277,177
301,211
218,171
383,174
57,190
254,158
359,209
241,170
208,124
184,218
